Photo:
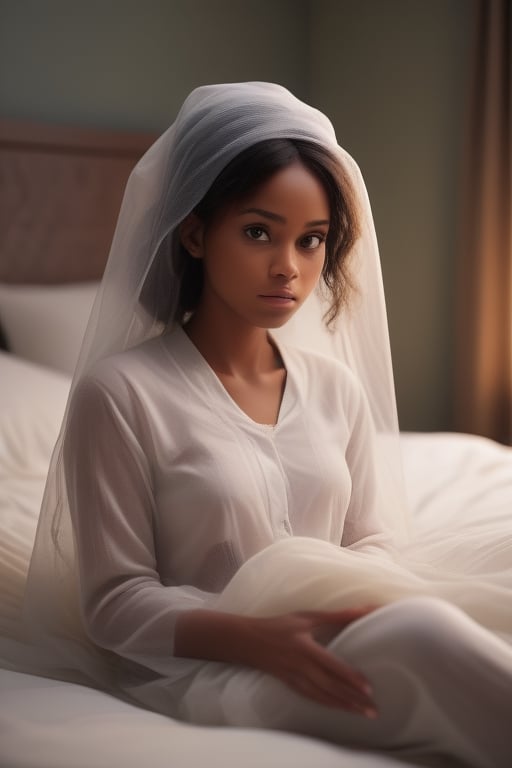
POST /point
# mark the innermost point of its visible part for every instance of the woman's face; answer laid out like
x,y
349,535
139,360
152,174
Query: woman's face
x,y
263,255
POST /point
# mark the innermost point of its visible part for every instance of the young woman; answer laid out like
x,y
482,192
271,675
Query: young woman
x,y
228,461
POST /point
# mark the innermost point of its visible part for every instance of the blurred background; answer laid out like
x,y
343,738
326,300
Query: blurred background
x,y
405,82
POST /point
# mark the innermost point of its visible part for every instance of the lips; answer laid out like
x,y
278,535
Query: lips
x,y
288,295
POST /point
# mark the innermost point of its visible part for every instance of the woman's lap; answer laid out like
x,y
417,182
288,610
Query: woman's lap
x,y
441,685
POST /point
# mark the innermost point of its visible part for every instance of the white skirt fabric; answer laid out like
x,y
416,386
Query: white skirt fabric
x,y
471,570
438,652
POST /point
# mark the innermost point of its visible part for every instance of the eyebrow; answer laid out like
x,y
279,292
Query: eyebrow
x,y
281,219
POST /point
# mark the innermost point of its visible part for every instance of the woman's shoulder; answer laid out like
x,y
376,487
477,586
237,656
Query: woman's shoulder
x,y
133,391
127,365
128,375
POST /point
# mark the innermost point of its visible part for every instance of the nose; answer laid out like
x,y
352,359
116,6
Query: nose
x,y
284,262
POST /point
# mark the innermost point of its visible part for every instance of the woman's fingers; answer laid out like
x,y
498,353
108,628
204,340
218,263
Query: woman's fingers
x,y
312,670
336,679
286,647
337,675
332,691
308,688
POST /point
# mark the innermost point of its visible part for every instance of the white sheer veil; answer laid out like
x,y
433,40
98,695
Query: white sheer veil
x,y
214,124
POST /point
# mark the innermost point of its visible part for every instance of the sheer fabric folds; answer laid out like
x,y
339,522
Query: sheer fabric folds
x,y
214,125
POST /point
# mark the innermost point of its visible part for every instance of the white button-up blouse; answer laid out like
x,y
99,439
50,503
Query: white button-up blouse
x,y
172,487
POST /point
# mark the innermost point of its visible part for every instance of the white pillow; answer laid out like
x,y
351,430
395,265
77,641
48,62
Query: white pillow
x,y
32,403
46,324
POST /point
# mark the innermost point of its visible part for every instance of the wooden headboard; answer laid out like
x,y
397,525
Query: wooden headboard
x,y
60,192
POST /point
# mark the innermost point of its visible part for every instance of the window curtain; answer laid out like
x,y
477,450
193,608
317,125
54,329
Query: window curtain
x,y
483,356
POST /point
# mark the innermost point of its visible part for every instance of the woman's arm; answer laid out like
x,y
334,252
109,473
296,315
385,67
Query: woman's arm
x,y
367,526
125,607
286,647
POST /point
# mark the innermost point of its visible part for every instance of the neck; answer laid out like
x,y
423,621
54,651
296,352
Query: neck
x,y
232,349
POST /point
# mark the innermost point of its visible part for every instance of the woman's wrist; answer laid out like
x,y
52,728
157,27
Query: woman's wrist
x,y
214,636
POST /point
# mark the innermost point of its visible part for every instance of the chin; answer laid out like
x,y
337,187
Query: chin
x,y
273,322
272,319
277,323
281,319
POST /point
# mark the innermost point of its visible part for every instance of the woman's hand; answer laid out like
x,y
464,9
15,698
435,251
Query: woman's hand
x,y
286,647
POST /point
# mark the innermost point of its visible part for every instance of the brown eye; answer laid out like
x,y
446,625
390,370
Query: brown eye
x,y
256,233
311,242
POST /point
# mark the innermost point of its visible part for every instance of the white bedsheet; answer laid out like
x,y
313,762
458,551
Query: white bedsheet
x,y
455,479
49,724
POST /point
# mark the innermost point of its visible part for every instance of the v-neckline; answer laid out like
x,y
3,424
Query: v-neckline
x,y
201,364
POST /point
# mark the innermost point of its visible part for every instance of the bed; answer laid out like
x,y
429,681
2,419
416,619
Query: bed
x,y
60,192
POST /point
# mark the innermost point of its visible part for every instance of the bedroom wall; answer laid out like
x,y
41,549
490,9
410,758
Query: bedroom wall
x,y
392,75
130,63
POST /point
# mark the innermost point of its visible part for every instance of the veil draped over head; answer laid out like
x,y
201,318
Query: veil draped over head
x,y
214,124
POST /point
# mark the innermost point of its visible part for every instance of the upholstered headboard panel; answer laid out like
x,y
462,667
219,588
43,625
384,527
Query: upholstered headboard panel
x,y
60,192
